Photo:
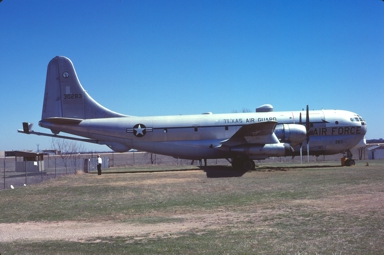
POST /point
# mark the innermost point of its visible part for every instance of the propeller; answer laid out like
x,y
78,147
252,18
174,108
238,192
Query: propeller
x,y
307,127
301,144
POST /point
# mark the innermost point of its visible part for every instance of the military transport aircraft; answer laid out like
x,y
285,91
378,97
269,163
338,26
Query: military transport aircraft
x,y
238,137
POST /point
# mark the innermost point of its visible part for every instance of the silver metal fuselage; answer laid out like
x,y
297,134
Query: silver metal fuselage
x,y
198,136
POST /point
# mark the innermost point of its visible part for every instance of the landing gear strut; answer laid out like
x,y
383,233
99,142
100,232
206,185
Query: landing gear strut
x,y
244,164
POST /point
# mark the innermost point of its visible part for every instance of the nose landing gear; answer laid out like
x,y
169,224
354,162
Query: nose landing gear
x,y
348,160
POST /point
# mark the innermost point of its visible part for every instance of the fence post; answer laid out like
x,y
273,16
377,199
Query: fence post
x,y
41,170
25,169
4,173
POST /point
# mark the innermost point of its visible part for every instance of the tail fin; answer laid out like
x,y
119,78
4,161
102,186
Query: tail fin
x,y
65,97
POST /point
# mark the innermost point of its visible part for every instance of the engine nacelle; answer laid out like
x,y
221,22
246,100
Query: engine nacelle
x,y
266,150
291,133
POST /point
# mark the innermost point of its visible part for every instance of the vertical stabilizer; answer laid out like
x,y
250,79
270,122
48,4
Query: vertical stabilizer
x,y
64,96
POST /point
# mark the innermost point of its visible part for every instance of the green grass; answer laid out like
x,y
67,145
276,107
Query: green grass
x,y
282,209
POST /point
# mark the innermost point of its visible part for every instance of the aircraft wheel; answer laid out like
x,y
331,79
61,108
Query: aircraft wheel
x,y
243,164
349,162
248,164
346,162
236,163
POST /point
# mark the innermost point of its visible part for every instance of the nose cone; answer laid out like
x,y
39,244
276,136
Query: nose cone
x,y
363,127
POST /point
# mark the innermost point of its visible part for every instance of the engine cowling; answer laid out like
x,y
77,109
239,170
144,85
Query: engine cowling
x,y
291,133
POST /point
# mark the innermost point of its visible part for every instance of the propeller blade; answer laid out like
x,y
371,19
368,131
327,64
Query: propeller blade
x,y
307,127
301,144
300,121
307,121
301,153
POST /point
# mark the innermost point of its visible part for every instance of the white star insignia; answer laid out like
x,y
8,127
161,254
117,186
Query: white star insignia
x,y
139,130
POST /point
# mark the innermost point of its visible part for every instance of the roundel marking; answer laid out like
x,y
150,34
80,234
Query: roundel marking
x,y
139,130
65,74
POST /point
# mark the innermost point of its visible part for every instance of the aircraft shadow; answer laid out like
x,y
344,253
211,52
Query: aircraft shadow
x,y
228,171
287,168
221,171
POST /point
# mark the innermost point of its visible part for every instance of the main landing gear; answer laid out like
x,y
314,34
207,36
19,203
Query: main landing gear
x,y
243,164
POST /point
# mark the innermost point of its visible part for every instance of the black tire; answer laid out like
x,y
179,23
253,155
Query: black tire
x,y
243,164
248,165
349,162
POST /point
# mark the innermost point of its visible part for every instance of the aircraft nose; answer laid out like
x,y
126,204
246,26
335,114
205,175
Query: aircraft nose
x,y
363,127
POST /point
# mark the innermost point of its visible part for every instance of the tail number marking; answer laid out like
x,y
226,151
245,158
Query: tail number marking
x,y
73,96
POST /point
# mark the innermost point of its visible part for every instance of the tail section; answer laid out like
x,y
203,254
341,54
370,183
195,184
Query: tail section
x,y
65,97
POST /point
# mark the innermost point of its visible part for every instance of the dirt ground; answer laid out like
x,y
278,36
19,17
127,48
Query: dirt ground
x,y
197,222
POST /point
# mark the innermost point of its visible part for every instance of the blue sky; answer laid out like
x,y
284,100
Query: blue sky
x,y
187,57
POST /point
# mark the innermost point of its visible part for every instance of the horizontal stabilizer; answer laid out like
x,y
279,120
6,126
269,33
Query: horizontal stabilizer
x,y
31,132
58,120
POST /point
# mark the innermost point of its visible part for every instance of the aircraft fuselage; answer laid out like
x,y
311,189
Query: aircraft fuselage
x,y
197,136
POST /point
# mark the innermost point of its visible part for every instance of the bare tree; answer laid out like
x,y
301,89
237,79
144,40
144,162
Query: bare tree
x,y
152,158
68,151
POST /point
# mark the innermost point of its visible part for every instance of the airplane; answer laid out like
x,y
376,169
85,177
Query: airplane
x,y
240,138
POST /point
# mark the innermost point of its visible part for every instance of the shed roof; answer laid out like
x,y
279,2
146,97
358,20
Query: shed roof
x,y
377,147
22,154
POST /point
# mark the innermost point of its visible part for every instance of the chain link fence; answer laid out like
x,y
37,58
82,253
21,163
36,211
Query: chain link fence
x,y
54,166
16,173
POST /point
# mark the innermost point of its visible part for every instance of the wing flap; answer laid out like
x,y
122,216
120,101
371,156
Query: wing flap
x,y
257,133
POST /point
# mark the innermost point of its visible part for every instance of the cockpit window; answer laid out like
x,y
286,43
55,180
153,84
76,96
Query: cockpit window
x,y
356,118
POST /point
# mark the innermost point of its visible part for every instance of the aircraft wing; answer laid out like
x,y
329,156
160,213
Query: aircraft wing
x,y
257,133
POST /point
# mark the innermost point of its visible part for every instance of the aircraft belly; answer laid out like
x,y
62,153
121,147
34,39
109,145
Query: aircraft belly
x,y
183,149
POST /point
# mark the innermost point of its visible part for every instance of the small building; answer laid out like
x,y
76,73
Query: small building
x,y
376,152
28,161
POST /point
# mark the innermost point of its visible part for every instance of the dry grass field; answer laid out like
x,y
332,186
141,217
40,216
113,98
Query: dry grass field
x,y
317,208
